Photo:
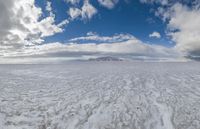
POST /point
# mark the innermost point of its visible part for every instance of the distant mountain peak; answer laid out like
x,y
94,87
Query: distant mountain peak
x,y
105,58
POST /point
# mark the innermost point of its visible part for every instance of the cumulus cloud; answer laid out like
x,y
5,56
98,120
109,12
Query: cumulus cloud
x,y
185,32
87,11
155,35
21,24
108,3
182,18
74,13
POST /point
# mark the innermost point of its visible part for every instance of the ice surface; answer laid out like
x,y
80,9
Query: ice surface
x,y
100,95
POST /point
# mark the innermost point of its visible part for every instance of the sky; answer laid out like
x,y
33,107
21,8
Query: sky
x,y
91,28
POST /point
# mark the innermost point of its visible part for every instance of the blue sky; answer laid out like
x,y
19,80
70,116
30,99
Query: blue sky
x,y
123,28
133,18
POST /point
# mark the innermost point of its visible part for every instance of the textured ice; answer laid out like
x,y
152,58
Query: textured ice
x,y
100,95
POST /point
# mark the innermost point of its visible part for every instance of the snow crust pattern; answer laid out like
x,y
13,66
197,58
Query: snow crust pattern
x,y
100,95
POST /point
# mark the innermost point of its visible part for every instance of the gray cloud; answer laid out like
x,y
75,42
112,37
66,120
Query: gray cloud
x,y
130,47
20,24
182,24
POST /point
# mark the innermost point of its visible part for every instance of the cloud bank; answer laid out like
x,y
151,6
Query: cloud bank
x,y
128,47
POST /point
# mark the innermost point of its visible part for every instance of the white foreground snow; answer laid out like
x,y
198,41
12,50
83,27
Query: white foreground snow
x,y
100,95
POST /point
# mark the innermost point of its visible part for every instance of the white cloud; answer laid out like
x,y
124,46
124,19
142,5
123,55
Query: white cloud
x,y
87,11
95,37
130,47
74,13
155,35
108,3
22,30
48,7
182,18
64,22
21,24
91,33
73,2
185,32
162,2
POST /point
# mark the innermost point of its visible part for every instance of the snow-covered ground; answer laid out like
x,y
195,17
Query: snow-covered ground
x,y
100,95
